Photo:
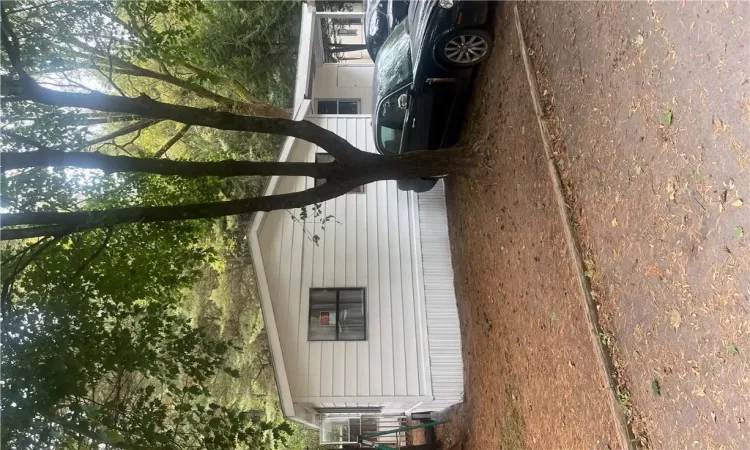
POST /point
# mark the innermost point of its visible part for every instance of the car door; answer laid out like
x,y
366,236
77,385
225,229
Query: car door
x,y
431,105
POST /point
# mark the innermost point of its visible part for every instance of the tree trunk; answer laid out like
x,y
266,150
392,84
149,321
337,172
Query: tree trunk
x,y
123,164
146,107
342,178
81,119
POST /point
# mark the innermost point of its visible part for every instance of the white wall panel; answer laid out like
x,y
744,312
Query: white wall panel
x,y
369,243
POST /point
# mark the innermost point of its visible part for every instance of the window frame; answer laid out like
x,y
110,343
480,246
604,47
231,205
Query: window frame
x,y
357,101
338,290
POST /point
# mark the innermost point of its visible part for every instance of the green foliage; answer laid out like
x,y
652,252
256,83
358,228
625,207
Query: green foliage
x,y
97,345
260,54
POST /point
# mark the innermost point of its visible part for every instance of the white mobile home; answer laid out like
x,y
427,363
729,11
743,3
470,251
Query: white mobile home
x,y
363,324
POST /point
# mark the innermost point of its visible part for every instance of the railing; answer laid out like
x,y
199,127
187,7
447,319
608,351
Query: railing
x,y
385,423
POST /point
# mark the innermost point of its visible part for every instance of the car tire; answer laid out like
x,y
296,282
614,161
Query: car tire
x,y
417,185
464,48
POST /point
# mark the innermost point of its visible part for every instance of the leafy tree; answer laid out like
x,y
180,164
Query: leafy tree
x,y
94,349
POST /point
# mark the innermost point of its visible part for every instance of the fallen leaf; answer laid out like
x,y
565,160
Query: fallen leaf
x,y
588,273
737,202
739,232
638,41
671,190
667,119
655,388
614,222
675,319
732,349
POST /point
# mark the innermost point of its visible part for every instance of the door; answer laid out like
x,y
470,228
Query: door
x,y
344,429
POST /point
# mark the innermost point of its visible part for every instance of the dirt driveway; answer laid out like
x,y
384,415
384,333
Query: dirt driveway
x,y
649,108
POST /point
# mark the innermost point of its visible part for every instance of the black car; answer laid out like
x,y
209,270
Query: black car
x,y
423,77
381,16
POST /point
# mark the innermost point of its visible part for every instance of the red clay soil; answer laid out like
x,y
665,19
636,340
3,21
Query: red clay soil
x,y
649,107
531,377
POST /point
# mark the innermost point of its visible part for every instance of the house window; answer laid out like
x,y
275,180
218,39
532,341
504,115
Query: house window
x,y
337,314
338,106
326,158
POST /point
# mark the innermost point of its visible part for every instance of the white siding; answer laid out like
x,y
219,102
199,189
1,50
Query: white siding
x,y
443,330
341,81
369,244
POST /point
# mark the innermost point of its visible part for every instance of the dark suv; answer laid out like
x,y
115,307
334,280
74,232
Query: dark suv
x,y
423,78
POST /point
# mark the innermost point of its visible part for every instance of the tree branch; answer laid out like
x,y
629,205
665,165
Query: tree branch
x,y
32,232
33,6
146,107
165,148
79,119
107,237
9,283
119,164
60,224
22,140
110,67
10,43
132,128
125,67
229,82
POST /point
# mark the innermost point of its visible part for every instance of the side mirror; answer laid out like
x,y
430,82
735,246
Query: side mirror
x,y
403,101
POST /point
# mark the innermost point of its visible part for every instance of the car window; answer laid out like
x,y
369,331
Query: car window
x,y
376,32
390,124
393,63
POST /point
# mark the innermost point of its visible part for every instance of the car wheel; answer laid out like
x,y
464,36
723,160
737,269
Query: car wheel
x,y
464,48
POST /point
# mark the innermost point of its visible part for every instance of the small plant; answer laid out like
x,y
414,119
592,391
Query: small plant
x,y
317,218
606,338
589,265
623,397
656,387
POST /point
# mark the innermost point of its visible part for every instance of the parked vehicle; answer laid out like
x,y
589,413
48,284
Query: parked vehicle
x,y
381,16
423,77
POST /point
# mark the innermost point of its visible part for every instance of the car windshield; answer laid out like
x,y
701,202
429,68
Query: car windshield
x,y
392,69
376,32
393,63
